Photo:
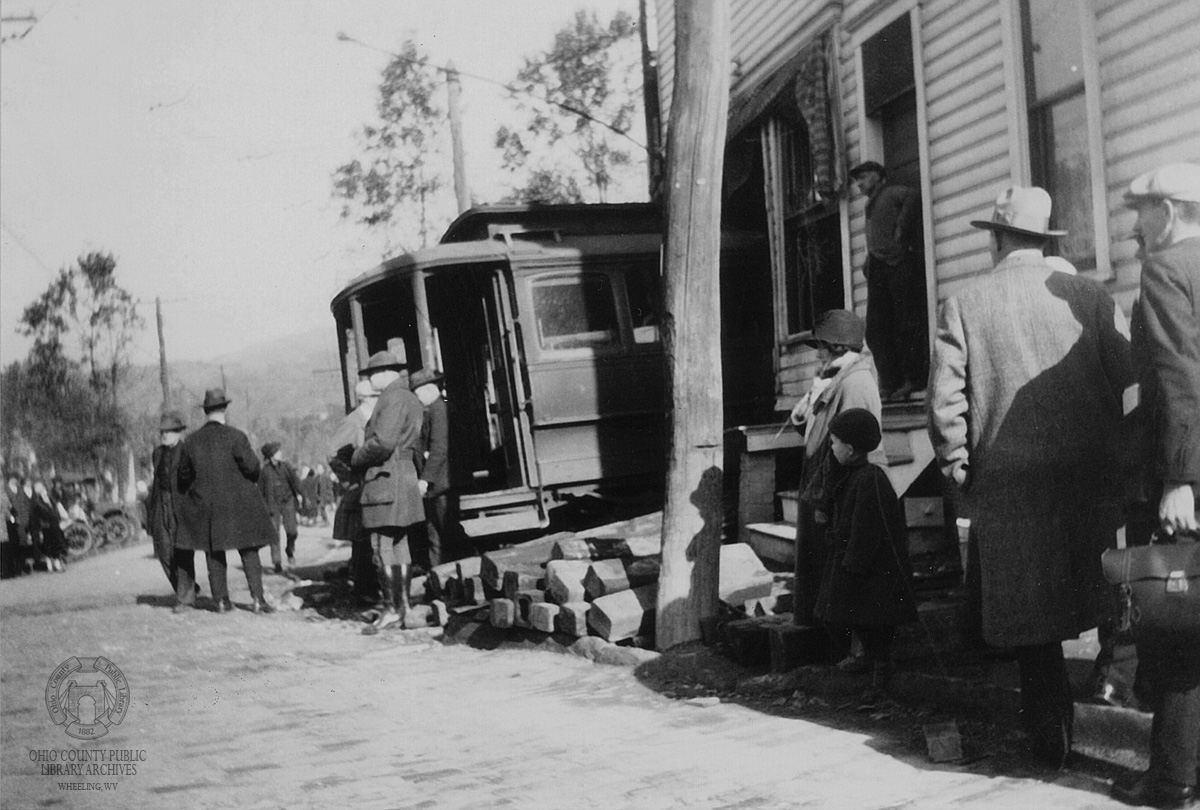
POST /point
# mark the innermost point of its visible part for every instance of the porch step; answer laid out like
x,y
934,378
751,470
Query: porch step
x,y
772,541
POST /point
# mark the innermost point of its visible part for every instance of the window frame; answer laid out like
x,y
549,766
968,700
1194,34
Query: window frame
x,y
1026,128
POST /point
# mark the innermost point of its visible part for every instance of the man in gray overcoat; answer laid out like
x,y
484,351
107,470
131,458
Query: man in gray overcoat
x,y
221,508
1025,414
390,499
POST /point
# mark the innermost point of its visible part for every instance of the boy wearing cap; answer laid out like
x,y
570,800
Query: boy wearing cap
x,y
866,585
1025,416
1166,349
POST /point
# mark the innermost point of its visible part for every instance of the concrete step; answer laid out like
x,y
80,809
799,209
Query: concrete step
x,y
774,542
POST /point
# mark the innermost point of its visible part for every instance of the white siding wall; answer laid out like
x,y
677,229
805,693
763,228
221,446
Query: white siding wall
x,y
969,136
1150,102
1149,68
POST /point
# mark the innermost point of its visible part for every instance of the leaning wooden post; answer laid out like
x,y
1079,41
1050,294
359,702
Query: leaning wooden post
x,y
692,516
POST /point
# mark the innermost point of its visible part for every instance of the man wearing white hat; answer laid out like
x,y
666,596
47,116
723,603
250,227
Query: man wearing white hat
x,y
1166,349
1024,413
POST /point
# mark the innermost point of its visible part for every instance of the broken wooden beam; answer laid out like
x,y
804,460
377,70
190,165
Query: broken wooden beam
x,y
624,614
621,574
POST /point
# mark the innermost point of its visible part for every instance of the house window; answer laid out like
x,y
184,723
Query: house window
x,y
1056,95
811,248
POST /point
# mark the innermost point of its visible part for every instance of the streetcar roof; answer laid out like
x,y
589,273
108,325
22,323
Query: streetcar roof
x,y
512,251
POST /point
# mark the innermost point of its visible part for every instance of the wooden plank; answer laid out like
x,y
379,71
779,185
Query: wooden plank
x,y
503,613
564,580
609,576
542,616
572,619
624,614
605,548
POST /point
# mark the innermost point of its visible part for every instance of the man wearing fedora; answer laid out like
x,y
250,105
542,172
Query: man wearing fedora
x,y
221,508
280,490
895,273
1166,351
433,467
162,507
390,499
1025,414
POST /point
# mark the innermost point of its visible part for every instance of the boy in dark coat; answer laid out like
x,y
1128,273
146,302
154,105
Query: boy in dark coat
x,y
866,586
221,508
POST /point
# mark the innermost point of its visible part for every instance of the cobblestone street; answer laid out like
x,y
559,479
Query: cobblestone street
x,y
295,711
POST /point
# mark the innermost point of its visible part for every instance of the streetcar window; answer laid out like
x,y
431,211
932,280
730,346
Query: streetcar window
x,y
575,311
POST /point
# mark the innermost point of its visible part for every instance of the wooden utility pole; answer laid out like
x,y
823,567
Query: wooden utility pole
x,y
454,93
692,517
163,379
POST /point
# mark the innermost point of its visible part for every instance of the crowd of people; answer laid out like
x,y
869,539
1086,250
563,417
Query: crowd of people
x,y
388,476
1059,426
1063,430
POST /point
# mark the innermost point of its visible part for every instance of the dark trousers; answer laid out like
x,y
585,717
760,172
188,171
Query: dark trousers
x,y
896,322
1170,680
442,529
362,568
876,641
288,522
1047,706
218,574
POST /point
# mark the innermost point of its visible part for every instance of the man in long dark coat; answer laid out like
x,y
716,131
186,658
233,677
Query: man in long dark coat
x,y
221,508
391,501
1025,411
162,508
280,490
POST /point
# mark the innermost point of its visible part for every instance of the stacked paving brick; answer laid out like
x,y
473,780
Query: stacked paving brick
x,y
603,583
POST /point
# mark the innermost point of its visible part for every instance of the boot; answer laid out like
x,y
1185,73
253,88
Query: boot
x,y
401,574
387,614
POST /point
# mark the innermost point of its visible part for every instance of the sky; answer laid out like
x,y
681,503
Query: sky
x,y
196,142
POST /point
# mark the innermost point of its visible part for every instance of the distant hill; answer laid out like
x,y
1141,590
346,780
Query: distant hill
x,y
287,390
